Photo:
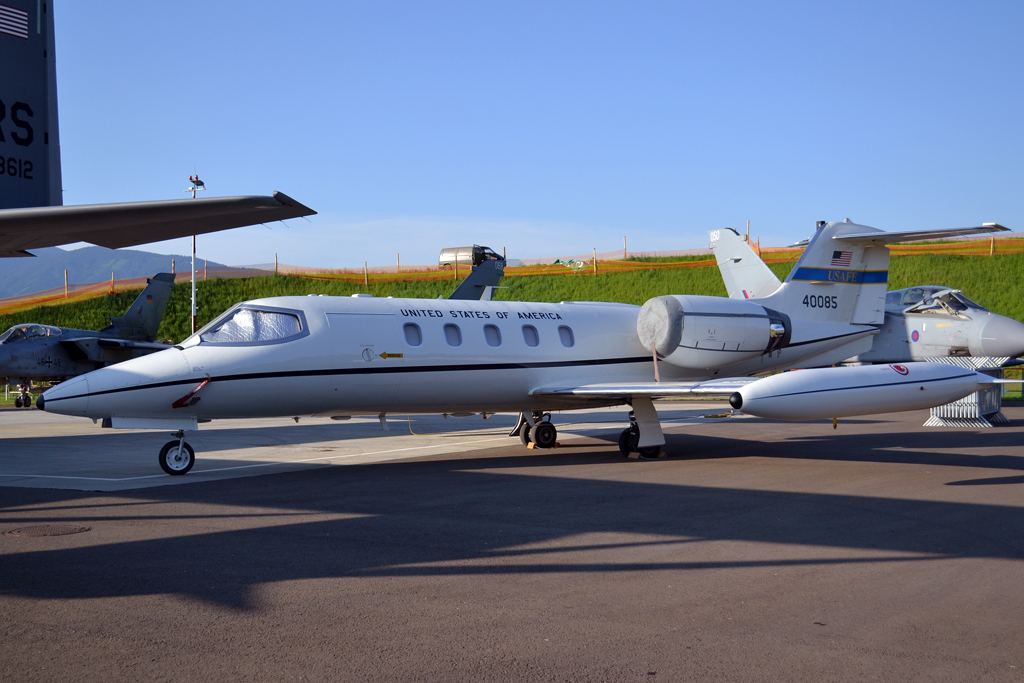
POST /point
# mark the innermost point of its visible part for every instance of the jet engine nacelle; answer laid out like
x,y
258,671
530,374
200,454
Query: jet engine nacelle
x,y
703,332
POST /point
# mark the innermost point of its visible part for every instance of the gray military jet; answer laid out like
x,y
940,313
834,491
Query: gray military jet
x,y
39,353
932,321
920,322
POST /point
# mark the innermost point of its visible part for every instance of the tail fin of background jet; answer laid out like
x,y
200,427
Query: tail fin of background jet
x,y
745,275
29,138
142,320
481,280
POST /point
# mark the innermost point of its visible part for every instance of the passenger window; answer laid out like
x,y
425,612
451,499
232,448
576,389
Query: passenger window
x,y
493,335
565,334
453,335
530,335
413,336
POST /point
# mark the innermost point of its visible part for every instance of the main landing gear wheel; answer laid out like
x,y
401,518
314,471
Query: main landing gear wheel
x,y
17,401
544,435
524,434
628,440
26,401
177,457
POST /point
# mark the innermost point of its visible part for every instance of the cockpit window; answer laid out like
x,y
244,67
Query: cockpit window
x,y
22,332
252,325
915,296
946,302
967,302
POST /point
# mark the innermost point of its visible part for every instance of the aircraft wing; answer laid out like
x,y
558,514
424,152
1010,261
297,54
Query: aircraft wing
x,y
131,223
92,348
880,237
125,344
715,388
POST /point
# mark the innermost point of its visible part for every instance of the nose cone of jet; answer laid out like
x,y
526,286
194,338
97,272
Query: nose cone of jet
x,y
67,398
1002,337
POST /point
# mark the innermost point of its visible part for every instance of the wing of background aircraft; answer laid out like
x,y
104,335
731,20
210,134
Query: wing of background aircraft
x,y
131,223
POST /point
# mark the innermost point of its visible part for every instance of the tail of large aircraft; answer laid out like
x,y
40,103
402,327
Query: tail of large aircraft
x,y
29,138
142,320
745,275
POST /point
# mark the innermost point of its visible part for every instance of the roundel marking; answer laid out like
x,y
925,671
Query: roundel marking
x,y
914,335
902,369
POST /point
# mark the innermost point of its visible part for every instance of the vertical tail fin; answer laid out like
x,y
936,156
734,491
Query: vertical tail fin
x,y
745,275
29,139
837,281
486,275
142,320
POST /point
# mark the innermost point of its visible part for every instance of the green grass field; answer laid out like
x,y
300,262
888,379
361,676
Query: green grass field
x,y
992,281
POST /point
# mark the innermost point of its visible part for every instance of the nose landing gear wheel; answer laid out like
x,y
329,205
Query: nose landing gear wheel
x,y
544,435
177,457
17,401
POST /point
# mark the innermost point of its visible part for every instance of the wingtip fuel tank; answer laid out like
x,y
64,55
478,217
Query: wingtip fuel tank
x,y
859,390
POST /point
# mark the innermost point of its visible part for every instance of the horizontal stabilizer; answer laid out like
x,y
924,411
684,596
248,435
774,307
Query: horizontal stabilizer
x,y
879,237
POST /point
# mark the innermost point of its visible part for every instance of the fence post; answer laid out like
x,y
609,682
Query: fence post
x,y
275,263
172,267
111,282
205,263
623,247
366,277
595,260
992,247
398,261
65,283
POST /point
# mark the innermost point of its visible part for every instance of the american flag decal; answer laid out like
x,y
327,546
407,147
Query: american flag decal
x,y
842,258
14,22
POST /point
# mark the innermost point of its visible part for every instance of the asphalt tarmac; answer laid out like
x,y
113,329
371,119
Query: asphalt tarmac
x,y
757,550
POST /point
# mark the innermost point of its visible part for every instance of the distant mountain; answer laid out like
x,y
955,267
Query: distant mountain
x,y
89,264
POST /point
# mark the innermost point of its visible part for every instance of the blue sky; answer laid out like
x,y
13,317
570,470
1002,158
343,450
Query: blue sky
x,y
548,128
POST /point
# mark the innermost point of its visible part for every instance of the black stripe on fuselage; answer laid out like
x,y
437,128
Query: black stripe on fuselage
x,y
378,370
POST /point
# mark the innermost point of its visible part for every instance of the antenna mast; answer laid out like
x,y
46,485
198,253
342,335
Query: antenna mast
x,y
197,186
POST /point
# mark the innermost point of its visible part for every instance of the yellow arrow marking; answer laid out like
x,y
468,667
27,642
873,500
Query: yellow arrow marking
x,y
385,356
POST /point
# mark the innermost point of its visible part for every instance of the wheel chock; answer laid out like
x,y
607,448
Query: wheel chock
x,y
531,445
633,456
660,456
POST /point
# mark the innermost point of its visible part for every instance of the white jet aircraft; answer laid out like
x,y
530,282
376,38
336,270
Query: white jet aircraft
x,y
340,356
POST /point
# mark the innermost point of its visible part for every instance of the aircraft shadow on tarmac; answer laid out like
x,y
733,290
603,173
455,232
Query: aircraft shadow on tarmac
x,y
472,515
941,447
